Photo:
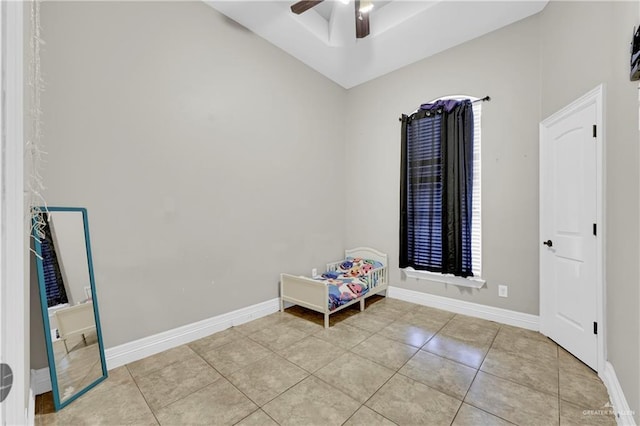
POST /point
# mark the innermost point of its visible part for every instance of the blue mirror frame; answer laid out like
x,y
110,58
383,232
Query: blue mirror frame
x,y
44,306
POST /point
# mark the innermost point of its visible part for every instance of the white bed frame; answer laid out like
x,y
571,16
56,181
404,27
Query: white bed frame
x,y
314,294
75,320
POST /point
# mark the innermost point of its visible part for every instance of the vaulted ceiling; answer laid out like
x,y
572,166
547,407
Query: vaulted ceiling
x,y
402,31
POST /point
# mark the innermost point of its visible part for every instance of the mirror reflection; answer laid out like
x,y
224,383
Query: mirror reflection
x,y
76,359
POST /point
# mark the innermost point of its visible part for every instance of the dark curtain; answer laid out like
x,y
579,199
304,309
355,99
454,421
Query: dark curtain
x,y
54,285
436,188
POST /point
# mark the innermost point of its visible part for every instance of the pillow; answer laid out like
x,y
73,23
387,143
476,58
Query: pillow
x,y
357,266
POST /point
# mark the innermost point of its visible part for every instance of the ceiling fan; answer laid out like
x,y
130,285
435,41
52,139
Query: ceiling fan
x,y
362,9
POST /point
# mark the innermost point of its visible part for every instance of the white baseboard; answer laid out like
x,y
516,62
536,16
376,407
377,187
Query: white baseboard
x,y
151,345
504,316
142,348
40,381
31,409
624,415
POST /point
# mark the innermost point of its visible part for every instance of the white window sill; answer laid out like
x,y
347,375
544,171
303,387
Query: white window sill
x,y
472,282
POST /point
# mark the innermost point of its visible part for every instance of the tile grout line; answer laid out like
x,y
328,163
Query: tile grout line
x,y
478,370
363,404
247,396
142,394
476,375
398,370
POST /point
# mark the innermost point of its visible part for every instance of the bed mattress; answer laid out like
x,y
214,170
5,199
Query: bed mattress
x,y
348,281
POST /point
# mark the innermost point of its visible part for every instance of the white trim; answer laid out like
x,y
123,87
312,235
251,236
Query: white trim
x,y
597,96
624,415
504,316
151,345
31,411
40,381
14,334
472,282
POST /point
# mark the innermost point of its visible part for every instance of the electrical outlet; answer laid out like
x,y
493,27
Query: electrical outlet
x,y
503,291
314,272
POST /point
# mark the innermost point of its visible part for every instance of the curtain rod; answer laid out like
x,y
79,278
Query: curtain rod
x,y
486,98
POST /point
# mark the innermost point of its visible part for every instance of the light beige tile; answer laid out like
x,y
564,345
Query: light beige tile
x,y
162,387
311,353
440,373
386,352
423,320
570,364
433,314
278,336
356,376
235,355
473,330
513,402
510,330
365,416
267,378
217,404
579,384
407,402
472,416
541,375
582,390
215,340
399,304
306,325
573,415
117,376
408,333
311,402
461,351
123,404
390,310
158,361
257,418
147,419
369,322
343,335
262,323
525,343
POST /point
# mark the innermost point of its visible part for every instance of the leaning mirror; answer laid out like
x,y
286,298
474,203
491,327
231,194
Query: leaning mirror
x,y
68,299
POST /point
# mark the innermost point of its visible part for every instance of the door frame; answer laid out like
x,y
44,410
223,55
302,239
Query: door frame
x,y
14,297
595,96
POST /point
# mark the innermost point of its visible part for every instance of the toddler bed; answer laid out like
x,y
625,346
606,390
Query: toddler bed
x,y
361,274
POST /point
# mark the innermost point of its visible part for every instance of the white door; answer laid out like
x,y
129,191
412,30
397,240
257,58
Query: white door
x,y
14,296
569,227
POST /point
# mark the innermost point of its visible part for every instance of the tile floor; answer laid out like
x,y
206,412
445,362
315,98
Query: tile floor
x,y
395,362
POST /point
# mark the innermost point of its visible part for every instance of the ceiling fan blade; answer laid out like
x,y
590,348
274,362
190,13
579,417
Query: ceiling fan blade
x,y
304,5
362,22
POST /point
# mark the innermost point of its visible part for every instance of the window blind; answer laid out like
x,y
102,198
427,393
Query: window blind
x,y
424,191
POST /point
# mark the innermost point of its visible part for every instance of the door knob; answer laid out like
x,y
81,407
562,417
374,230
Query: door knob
x,y
548,243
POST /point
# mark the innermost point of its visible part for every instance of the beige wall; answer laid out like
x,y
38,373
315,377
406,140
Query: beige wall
x,y
146,126
531,69
201,152
596,50
504,65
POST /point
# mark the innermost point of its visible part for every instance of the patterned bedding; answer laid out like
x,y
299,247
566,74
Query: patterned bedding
x,y
348,281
